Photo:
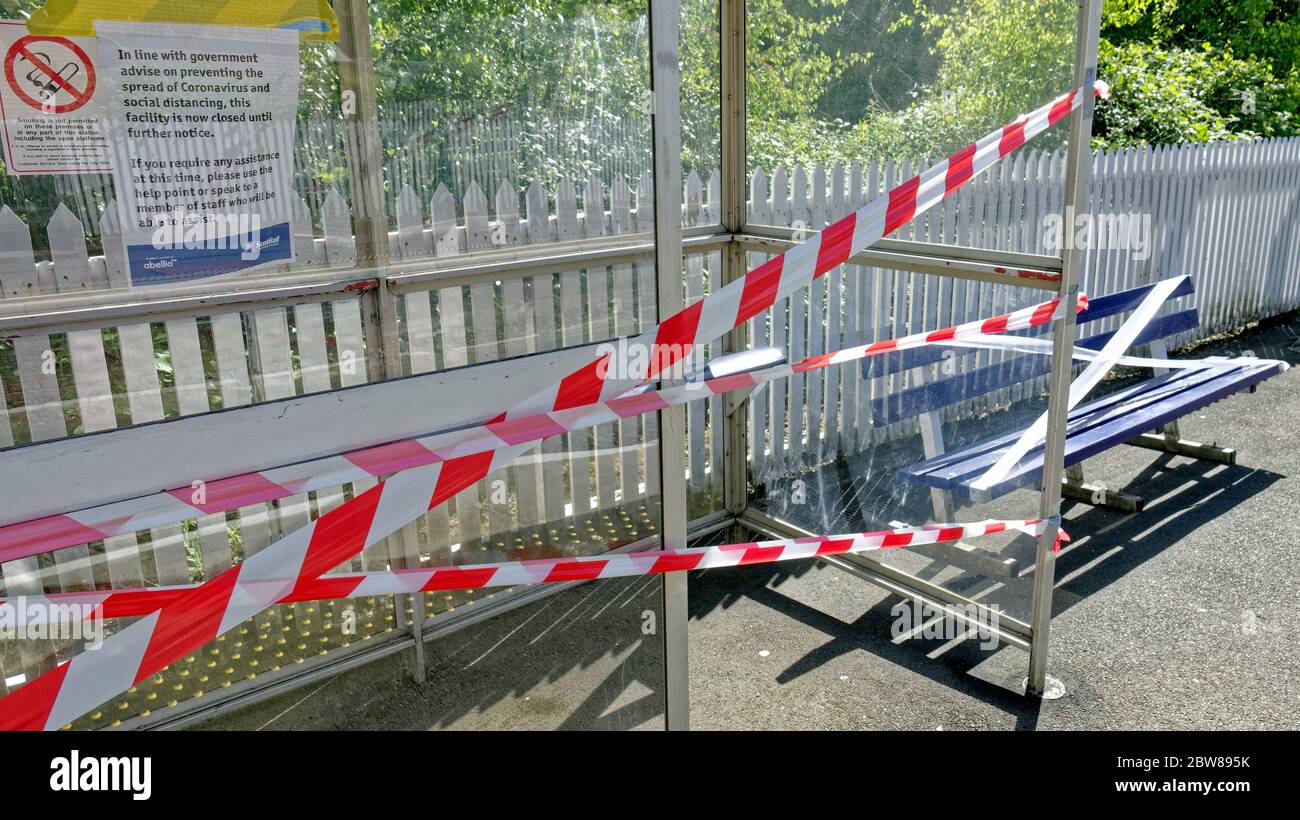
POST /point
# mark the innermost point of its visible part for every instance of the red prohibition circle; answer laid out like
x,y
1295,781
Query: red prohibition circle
x,y
79,98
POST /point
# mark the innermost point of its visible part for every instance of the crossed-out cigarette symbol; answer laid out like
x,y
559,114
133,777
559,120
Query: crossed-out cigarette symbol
x,y
46,85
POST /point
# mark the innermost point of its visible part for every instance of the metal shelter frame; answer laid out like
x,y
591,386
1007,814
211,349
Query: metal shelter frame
x,y
380,279
942,260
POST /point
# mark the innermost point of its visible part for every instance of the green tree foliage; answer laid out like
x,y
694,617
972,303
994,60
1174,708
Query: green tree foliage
x,y
1265,29
887,64
477,54
1181,70
954,70
577,67
1172,95
996,59
791,65
1196,70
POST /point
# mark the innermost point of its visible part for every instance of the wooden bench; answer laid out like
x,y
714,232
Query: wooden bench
x,y
1144,414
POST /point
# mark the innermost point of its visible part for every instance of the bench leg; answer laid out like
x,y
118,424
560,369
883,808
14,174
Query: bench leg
x,y
966,556
1074,487
1168,439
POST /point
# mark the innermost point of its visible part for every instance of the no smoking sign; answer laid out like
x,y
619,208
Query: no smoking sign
x,y
50,103
51,74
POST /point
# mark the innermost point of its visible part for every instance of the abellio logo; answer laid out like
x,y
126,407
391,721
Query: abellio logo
x,y
75,773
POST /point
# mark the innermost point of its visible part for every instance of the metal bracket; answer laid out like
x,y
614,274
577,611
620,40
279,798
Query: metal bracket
x,y
1183,447
1074,487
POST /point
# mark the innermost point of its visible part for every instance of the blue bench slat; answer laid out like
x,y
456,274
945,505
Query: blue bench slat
x,y
950,468
1101,307
1117,422
950,390
1101,437
1111,304
1094,428
934,395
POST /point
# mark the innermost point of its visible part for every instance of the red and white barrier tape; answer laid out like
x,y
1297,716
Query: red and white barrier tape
x,y
741,300
43,535
129,603
1043,347
700,323
301,557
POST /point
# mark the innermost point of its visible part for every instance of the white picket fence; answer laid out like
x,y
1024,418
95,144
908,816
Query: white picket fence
x,y
1225,214
422,143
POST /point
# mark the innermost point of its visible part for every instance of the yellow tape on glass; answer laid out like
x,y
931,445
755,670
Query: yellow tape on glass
x,y
313,18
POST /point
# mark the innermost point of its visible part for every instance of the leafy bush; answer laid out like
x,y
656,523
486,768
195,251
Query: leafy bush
x,y
1172,95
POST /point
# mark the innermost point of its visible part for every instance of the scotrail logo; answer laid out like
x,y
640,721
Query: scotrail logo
x,y
213,232
75,773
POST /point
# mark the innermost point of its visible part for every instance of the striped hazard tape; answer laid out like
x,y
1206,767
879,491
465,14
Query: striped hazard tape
x,y
299,558
45,534
131,603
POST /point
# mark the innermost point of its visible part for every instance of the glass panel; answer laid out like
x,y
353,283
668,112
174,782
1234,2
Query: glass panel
x,y
578,493
214,159
848,100
700,46
834,446
479,145
68,383
458,110
192,552
578,660
473,111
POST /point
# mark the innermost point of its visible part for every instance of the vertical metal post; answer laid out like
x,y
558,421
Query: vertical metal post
x,y
735,179
666,133
364,150
361,120
1077,171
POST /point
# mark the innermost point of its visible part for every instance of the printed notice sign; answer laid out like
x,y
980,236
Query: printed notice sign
x,y
200,122
50,104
